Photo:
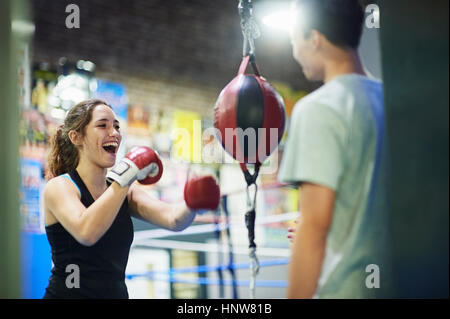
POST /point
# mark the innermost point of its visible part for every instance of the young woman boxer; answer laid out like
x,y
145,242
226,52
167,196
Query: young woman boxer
x,y
88,210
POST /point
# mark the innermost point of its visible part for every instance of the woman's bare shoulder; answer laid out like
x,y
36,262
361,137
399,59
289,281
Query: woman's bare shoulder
x,y
59,186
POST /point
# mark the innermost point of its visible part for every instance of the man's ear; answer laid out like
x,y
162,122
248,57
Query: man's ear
x,y
75,138
316,39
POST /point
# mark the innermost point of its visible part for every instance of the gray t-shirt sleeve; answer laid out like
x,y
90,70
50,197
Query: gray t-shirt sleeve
x,y
314,150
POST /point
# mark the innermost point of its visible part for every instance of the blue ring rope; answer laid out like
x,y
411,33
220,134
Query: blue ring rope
x,y
207,268
227,282
214,281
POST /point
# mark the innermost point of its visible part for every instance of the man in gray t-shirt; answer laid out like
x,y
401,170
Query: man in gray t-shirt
x,y
336,152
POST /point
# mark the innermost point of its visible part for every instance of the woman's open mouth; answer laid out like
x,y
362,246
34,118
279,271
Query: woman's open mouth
x,y
111,147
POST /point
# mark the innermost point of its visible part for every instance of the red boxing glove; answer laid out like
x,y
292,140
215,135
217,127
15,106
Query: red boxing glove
x,y
149,164
141,163
202,193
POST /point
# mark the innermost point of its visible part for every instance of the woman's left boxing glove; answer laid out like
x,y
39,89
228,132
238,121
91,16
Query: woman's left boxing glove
x,y
202,193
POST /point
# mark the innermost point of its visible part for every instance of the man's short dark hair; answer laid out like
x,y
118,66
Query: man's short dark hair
x,y
340,21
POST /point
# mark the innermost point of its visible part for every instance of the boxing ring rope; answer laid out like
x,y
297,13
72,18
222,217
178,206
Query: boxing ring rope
x,y
226,282
155,239
201,229
198,229
211,248
170,275
208,268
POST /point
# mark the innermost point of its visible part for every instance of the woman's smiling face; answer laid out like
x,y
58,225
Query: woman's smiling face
x,y
102,137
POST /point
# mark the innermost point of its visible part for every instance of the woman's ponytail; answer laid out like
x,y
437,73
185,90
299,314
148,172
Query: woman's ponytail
x,y
63,155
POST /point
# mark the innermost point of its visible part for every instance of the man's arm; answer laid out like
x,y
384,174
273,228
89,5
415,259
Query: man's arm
x,y
316,206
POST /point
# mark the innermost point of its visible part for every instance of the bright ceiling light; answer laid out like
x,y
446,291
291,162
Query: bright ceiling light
x,y
280,20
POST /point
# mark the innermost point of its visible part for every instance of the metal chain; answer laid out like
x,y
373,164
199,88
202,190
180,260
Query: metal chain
x,y
250,29
254,269
250,222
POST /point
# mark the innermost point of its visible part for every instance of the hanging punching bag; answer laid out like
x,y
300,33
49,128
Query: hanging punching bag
x,y
250,117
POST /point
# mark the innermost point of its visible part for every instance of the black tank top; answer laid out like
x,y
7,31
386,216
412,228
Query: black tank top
x,y
101,266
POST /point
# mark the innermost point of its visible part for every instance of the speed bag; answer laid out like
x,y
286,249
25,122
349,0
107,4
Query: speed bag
x,y
249,117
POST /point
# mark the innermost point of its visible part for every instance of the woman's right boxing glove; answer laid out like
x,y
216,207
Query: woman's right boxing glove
x,y
141,163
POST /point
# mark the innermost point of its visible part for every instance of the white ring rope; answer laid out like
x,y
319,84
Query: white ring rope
x,y
209,228
205,247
